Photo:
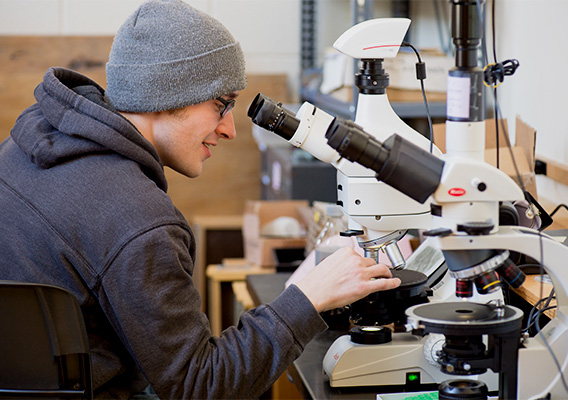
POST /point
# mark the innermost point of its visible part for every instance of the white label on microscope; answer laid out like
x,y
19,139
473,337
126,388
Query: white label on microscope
x,y
457,105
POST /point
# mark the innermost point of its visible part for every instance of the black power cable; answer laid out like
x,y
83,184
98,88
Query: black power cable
x,y
421,75
558,207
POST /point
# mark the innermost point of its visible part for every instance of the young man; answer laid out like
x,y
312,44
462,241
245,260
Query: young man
x,y
84,207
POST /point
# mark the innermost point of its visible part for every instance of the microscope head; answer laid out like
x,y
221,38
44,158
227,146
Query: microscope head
x,y
373,39
371,42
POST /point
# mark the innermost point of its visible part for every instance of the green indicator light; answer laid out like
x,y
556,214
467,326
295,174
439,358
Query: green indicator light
x,y
412,377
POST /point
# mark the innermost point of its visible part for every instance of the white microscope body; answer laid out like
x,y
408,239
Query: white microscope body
x,y
468,198
465,226
351,364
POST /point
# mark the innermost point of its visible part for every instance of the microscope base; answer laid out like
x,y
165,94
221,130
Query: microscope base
x,y
349,364
538,375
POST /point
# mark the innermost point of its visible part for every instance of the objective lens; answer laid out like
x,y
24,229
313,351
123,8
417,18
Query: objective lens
x,y
487,283
511,274
464,288
271,116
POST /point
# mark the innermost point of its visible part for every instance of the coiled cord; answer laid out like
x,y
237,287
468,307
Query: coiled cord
x,y
495,73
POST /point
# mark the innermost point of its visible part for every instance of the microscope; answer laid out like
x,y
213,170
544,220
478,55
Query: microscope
x,y
466,194
379,211
480,340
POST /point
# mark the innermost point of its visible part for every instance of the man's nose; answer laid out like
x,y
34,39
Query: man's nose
x,y
226,128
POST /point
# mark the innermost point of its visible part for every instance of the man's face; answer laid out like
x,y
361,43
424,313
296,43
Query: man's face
x,y
184,138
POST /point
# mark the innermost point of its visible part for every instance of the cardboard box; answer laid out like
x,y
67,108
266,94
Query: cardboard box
x,y
259,249
522,151
402,70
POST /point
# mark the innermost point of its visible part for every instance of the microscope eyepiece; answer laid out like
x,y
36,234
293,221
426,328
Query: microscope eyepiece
x,y
397,162
354,144
271,116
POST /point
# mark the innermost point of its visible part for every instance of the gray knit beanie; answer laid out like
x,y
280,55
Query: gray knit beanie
x,y
168,55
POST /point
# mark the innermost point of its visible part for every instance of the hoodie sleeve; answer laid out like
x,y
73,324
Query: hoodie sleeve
x,y
149,297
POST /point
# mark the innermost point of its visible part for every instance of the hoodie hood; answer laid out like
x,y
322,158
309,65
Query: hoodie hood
x,y
71,120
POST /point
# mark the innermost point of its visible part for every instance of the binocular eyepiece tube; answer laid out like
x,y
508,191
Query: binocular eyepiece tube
x,y
271,116
397,162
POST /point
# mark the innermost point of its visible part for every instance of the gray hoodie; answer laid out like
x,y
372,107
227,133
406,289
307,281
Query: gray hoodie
x,y
84,207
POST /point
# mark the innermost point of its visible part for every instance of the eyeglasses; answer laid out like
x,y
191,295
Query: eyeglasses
x,y
228,105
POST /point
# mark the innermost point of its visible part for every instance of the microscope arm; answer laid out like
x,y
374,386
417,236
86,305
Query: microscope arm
x,y
539,373
526,241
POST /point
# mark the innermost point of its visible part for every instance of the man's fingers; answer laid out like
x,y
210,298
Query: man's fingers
x,y
379,271
381,277
385,283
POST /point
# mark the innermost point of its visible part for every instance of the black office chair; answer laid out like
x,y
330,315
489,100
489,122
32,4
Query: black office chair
x,y
44,351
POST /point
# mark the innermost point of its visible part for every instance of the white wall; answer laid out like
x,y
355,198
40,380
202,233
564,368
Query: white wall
x,y
532,31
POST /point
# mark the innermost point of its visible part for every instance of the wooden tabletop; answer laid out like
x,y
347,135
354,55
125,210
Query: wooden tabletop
x,y
533,290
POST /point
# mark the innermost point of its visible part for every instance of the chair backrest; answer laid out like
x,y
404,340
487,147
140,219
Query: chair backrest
x,y
44,350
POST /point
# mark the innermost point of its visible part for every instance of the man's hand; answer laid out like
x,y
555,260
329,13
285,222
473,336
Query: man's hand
x,y
343,278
